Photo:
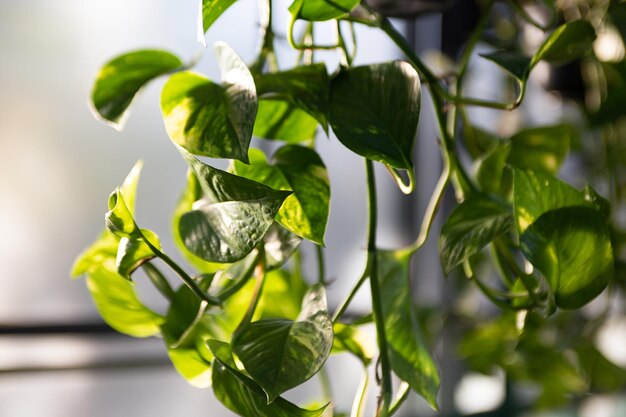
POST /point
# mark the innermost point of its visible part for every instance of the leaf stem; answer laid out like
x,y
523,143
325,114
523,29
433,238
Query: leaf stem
x,y
344,305
386,387
358,405
159,280
321,267
190,282
259,274
240,283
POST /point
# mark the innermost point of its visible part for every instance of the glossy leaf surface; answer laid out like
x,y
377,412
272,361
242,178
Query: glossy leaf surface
x,y
301,170
119,219
282,354
233,220
471,226
242,395
320,10
281,120
306,87
120,79
132,253
374,111
571,247
408,353
211,119
119,306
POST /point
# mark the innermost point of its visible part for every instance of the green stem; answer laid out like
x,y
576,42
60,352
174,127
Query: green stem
x,y
266,50
346,58
240,283
259,273
301,46
344,305
386,387
321,268
358,405
159,280
190,282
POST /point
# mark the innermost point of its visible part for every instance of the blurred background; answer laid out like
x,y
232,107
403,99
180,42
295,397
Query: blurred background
x,y
58,166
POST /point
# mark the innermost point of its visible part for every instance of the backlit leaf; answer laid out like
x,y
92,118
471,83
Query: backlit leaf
x,y
320,10
210,11
281,120
351,339
132,253
281,354
541,148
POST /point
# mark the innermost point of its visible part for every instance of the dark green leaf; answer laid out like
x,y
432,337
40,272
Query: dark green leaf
x,y
374,111
320,10
305,87
118,304
120,79
281,120
132,253
513,62
541,148
282,354
242,395
535,193
211,11
351,339
471,226
408,353
298,169
569,41
210,119
490,169
233,220
571,247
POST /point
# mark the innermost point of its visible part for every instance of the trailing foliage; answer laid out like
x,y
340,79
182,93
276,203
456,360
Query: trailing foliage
x,y
249,324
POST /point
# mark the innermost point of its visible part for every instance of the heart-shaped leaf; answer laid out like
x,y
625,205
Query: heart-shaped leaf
x,y
542,148
242,395
571,246
234,218
306,87
408,353
210,11
281,120
118,304
515,63
374,111
120,79
471,226
210,119
301,170
320,10
282,354
132,253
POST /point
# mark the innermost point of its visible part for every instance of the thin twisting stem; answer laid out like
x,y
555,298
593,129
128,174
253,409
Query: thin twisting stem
x,y
159,280
321,268
259,274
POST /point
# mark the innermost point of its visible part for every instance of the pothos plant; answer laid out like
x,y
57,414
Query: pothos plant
x,y
246,322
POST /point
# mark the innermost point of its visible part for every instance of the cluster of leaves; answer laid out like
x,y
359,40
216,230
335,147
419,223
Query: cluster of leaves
x,y
247,323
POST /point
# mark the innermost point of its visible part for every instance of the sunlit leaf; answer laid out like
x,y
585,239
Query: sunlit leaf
x,y
281,120
281,354
119,219
351,339
120,79
571,247
242,395
408,353
320,10
210,119
471,226
569,41
210,11
301,170
132,253
541,148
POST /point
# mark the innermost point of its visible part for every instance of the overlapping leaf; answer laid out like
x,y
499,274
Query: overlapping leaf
x,y
242,395
120,79
281,120
472,225
234,218
351,339
132,253
301,170
210,119
320,10
408,353
282,354
210,11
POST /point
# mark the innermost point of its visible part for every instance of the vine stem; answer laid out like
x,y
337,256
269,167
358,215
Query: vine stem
x,y
190,282
259,274
386,388
159,280
321,267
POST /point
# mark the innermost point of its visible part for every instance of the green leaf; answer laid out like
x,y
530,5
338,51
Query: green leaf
x,y
569,41
320,10
306,87
120,79
515,63
242,395
104,250
118,304
281,120
279,245
535,193
119,219
234,218
192,366
282,354
210,11
490,169
471,226
374,111
408,353
301,170
542,148
132,253
210,119
571,246
351,339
